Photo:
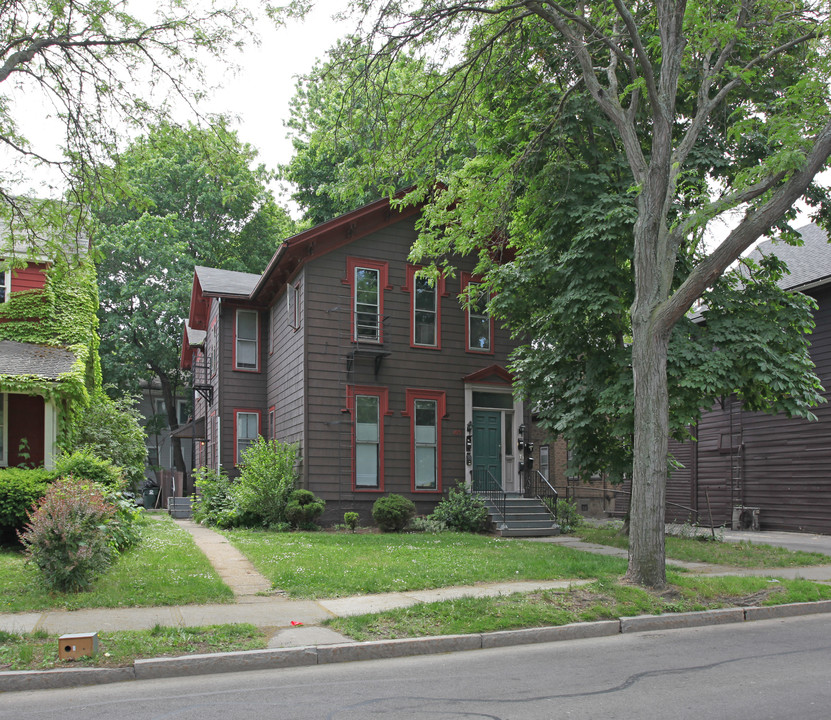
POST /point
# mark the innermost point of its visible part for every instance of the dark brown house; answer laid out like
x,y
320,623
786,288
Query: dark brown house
x,y
386,383
754,461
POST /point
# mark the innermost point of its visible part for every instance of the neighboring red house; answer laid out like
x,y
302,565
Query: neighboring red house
x,y
386,383
48,356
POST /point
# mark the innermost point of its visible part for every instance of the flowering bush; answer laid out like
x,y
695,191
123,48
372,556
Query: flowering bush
x,y
66,536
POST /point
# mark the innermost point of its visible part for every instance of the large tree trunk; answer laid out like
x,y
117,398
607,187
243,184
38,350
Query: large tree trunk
x,y
649,468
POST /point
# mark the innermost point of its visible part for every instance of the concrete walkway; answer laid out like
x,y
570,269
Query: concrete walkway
x,y
297,622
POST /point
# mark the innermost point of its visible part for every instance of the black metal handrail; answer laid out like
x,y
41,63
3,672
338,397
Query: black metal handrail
x,y
537,486
485,484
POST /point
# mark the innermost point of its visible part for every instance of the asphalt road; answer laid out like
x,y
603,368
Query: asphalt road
x,y
762,670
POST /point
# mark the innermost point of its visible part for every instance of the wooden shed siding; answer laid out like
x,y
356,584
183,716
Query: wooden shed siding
x,y
780,465
328,336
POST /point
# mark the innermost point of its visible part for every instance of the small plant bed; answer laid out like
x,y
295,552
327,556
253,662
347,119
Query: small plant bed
x,y
165,568
705,549
300,564
39,651
602,600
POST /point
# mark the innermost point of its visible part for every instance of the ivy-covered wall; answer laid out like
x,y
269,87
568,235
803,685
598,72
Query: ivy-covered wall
x,y
61,314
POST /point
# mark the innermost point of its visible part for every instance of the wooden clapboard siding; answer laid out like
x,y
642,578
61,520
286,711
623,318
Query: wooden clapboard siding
x,y
328,302
31,277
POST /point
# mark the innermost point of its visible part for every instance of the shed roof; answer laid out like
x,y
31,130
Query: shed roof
x,y
44,361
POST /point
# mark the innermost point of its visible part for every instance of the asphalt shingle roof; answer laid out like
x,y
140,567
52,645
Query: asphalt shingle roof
x,y
225,282
17,358
808,263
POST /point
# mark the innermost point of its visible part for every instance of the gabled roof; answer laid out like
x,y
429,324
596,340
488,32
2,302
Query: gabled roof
x,y
225,283
809,263
44,361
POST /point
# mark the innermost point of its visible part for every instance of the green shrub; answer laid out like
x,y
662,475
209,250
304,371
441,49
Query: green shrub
x,y
84,464
214,503
461,511
567,516
426,525
20,490
393,512
350,519
65,536
112,430
266,480
303,508
124,528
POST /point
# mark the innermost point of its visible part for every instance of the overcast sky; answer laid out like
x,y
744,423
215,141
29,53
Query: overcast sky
x,y
261,91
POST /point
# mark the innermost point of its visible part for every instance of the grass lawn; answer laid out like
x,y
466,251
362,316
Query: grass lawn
x,y
601,600
705,550
166,568
313,565
39,651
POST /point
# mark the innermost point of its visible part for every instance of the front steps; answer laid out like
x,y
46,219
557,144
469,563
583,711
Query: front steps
x,y
179,507
524,517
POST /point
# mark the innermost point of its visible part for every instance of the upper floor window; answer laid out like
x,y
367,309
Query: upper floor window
x,y
479,329
246,347
425,309
5,276
293,305
368,279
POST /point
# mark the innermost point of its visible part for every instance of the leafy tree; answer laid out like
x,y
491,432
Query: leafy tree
x,y
705,110
111,429
334,135
97,69
176,198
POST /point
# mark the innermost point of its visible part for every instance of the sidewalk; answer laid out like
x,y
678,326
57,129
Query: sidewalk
x,y
297,638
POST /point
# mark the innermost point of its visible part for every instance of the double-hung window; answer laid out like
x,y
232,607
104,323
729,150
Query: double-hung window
x,y
425,309
479,329
425,409
368,280
367,304
5,276
246,340
293,305
368,406
247,429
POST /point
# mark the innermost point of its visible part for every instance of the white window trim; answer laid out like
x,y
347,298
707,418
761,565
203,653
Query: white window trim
x,y
5,284
376,338
434,311
255,341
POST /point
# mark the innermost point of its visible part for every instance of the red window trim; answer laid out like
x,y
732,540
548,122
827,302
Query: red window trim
x,y
237,311
383,395
237,411
441,411
441,292
382,266
466,279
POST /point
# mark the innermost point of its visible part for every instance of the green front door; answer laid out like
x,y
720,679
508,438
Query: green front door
x,y
487,449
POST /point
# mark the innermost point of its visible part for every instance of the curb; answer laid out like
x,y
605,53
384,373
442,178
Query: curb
x,y
277,658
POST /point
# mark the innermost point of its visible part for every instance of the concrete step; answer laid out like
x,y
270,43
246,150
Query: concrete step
x,y
528,532
524,517
179,507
